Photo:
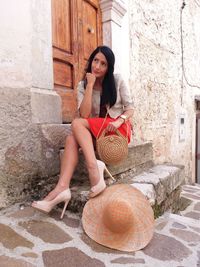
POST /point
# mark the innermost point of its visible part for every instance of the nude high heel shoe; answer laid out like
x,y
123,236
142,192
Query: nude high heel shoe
x,y
101,185
46,206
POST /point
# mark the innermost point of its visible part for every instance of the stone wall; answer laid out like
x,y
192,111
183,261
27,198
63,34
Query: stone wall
x,y
160,90
26,150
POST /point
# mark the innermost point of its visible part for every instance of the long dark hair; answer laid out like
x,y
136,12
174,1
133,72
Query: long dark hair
x,y
109,92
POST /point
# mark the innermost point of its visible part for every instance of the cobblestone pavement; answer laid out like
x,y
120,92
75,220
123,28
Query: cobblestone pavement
x,y
29,238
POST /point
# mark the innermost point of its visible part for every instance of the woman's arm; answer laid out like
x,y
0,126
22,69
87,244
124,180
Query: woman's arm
x,y
86,104
126,115
113,126
127,104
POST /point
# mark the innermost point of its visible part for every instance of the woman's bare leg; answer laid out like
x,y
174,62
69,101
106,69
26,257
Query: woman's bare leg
x,y
68,163
82,134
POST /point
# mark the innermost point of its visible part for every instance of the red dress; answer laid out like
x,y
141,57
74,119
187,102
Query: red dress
x,y
97,128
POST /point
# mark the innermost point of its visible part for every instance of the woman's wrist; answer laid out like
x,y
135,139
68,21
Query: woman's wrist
x,y
121,120
90,85
124,117
89,90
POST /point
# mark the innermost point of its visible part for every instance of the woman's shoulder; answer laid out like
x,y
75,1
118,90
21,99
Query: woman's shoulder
x,y
119,81
117,77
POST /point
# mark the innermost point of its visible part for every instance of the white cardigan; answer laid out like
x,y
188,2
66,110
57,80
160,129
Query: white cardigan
x,y
123,102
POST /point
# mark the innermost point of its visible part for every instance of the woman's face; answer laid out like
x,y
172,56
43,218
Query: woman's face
x,y
99,65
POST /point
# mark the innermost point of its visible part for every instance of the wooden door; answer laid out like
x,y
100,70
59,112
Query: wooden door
x,y
76,30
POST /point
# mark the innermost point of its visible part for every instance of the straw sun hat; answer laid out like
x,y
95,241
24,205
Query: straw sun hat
x,y
120,218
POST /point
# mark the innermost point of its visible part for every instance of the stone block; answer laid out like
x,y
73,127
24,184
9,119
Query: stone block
x,y
34,157
45,106
164,178
29,150
138,155
147,190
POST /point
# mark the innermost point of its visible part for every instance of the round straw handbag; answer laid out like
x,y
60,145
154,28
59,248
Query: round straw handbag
x,y
112,149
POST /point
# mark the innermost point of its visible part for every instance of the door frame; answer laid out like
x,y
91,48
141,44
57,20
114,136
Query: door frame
x,y
197,142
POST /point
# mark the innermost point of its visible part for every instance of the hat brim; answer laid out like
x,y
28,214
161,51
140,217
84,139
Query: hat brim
x,y
137,236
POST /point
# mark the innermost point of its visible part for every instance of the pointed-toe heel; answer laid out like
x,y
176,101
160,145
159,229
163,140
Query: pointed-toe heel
x,y
64,209
110,175
46,206
101,185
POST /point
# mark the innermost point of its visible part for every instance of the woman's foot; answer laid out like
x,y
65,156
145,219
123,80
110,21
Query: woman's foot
x,y
47,205
56,191
101,185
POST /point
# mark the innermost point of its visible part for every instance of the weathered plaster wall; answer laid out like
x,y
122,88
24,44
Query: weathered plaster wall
x,y
41,44
160,91
15,49
25,53
27,100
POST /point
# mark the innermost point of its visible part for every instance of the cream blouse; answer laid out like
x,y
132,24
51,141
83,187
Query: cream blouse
x,y
123,102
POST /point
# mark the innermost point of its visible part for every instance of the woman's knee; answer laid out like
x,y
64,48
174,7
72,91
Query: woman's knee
x,y
70,140
77,123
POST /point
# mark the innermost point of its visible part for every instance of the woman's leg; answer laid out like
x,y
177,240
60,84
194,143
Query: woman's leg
x,y
69,161
82,134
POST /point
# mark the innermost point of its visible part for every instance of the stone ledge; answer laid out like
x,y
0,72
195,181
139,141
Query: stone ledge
x,y
160,184
45,106
138,155
159,181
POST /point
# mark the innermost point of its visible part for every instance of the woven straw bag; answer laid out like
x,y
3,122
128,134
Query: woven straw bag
x,y
112,149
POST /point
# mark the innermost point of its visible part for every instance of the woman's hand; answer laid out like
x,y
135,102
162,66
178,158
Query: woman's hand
x,y
91,78
113,126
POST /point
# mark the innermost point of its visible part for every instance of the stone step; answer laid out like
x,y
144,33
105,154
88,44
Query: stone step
x,y
139,159
161,184
140,153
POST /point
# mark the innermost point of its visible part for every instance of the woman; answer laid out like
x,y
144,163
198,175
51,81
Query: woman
x,y
101,94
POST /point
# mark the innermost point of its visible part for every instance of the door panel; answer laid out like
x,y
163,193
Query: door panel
x,y
65,54
76,30
90,30
63,74
62,24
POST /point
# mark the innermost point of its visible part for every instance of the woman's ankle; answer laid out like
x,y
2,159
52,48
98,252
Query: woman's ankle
x,y
53,193
61,187
93,175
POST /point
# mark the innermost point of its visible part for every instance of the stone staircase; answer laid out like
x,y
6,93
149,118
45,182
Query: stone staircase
x,y
37,163
160,183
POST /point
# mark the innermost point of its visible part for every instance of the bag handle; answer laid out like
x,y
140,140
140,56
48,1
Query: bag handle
x,y
102,124
117,131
